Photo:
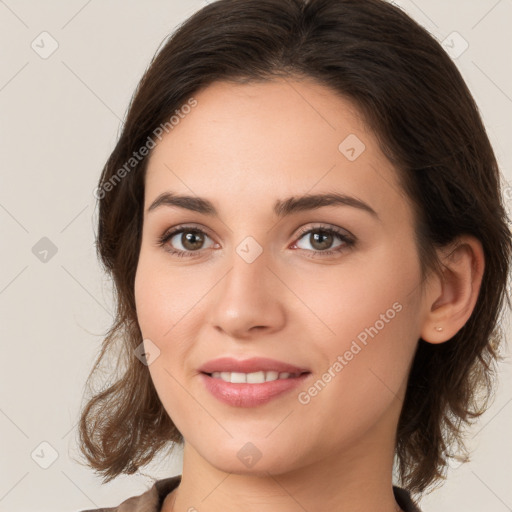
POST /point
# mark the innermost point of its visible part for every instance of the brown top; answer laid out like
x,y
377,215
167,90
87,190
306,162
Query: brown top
x,y
152,499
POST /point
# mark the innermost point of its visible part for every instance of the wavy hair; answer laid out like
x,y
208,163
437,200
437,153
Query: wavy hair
x,y
410,93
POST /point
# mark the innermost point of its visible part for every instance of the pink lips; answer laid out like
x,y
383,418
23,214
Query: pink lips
x,y
255,364
245,394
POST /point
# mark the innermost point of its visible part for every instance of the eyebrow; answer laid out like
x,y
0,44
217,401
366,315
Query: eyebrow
x,y
282,208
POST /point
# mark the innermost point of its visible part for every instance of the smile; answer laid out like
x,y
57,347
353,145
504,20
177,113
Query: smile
x,y
251,389
252,378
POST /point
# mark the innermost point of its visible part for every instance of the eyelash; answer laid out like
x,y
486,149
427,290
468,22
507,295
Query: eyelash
x,y
346,239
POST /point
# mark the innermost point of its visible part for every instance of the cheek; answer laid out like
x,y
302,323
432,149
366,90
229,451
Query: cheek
x,y
160,306
163,297
167,303
365,372
370,319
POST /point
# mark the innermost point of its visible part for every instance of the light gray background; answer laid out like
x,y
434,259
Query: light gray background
x,y
60,118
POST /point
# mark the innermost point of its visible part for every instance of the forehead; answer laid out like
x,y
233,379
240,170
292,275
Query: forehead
x,y
271,139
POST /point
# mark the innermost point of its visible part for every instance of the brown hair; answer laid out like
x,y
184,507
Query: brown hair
x,y
413,97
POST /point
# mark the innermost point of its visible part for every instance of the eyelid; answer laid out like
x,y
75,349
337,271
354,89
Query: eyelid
x,y
183,227
328,227
345,236
179,228
301,231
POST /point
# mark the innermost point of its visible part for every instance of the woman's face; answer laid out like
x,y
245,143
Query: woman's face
x,y
265,277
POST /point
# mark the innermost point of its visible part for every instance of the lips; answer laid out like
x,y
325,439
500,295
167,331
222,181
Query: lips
x,y
255,364
240,392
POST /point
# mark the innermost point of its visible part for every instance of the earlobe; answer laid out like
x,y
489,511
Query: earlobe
x,y
450,304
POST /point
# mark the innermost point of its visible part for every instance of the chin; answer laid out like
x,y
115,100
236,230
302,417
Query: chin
x,y
258,458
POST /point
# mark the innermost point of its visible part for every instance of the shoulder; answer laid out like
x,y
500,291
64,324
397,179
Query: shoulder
x,y
149,501
403,498
152,499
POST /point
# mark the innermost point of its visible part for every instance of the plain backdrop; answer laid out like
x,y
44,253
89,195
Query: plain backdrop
x,y
68,70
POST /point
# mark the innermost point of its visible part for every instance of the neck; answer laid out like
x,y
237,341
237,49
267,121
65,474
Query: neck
x,y
353,480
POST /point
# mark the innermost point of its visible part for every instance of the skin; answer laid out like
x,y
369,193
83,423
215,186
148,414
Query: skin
x,y
243,147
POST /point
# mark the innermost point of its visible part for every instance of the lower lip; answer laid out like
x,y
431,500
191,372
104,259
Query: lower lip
x,y
249,395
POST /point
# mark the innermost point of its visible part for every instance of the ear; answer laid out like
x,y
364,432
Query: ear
x,y
451,297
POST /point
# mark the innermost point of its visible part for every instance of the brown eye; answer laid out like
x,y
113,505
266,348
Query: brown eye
x,y
184,241
321,240
191,240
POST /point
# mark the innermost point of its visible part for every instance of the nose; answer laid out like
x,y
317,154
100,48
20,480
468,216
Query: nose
x,y
249,298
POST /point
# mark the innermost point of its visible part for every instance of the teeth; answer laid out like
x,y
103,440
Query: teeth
x,y
236,377
272,375
252,378
223,375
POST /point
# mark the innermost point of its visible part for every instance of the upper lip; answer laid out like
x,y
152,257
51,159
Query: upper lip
x,y
254,364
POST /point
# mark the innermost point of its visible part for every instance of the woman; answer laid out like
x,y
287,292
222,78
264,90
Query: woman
x,y
303,221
